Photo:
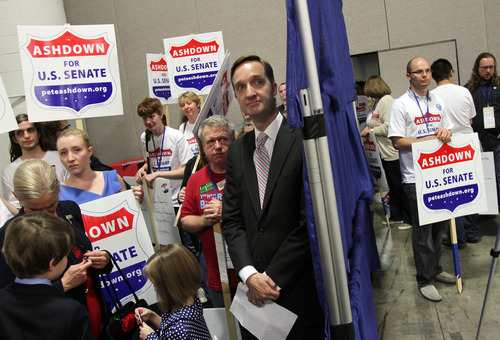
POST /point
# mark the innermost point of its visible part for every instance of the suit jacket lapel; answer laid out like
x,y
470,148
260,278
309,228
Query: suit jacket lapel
x,y
248,148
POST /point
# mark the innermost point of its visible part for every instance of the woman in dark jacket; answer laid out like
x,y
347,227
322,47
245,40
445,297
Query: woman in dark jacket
x,y
37,189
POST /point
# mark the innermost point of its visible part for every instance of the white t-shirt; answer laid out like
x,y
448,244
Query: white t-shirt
x,y
5,214
187,130
175,152
51,157
459,107
406,120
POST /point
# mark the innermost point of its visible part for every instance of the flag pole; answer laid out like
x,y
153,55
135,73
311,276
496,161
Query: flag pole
x,y
321,182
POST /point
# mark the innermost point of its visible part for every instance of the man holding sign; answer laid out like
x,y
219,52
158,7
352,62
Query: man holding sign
x,y
418,116
202,207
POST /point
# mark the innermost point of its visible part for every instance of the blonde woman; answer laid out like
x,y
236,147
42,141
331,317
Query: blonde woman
x,y
190,104
378,122
84,184
176,276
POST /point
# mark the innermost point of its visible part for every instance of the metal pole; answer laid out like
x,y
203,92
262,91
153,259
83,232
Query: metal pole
x,y
494,252
322,186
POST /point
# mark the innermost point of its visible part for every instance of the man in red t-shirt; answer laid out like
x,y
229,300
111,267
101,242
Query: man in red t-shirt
x,y
202,207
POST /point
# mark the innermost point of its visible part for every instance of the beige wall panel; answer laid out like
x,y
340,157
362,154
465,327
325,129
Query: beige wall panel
x,y
393,63
427,21
258,27
492,13
366,26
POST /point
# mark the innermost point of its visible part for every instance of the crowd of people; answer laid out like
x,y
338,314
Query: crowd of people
x,y
251,183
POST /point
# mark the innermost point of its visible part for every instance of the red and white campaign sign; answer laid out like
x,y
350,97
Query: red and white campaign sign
x,y
70,71
116,224
193,62
7,118
449,178
362,104
220,96
372,154
158,82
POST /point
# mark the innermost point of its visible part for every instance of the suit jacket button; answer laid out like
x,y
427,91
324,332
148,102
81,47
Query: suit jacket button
x,y
261,231
257,259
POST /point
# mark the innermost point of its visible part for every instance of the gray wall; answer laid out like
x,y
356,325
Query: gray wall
x,y
395,29
256,27
398,30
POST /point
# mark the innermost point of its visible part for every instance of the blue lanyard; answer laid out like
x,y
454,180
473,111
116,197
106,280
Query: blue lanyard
x,y
161,151
423,116
489,92
213,182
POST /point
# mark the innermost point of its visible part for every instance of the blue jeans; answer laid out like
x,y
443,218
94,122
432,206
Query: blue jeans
x,y
426,242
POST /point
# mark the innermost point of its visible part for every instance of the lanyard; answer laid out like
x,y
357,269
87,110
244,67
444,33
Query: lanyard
x,y
423,116
213,182
489,92
158,161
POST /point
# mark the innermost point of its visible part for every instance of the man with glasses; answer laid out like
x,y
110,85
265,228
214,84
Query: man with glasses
x,y
202,207
418,116
25,143
484,85
460,108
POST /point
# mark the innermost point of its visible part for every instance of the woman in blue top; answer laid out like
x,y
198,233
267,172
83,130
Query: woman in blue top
x,y
176,276
85,185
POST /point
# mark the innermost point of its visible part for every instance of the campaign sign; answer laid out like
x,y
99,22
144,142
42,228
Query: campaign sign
x,y
115,223
158,82
163,210
7,118
362,104
220,96
70,71
490,181
449,178
372,154
193,62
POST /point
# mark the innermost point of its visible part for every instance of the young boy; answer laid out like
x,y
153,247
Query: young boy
x,y
36,248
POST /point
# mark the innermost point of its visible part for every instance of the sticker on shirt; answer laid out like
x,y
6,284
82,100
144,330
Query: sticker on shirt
x,y
206,187
221,184
193,145
427,125
489,117
207,197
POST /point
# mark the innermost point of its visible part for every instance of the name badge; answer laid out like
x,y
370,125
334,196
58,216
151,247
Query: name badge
x,y
489,117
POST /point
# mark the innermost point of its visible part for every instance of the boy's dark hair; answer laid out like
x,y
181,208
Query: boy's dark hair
x,y
441,69
149,106
33,240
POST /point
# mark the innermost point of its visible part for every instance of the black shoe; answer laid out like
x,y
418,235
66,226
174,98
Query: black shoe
x,y
473,239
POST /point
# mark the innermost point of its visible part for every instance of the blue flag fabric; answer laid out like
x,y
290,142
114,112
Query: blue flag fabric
x,y
351,174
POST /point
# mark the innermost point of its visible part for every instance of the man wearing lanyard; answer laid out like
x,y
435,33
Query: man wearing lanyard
x,y
417,116
202,207
165,148
484,85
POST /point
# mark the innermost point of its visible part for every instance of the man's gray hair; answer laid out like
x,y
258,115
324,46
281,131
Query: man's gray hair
x,y
216,120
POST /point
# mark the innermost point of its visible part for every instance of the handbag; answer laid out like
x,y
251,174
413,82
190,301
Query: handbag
x,y
121,324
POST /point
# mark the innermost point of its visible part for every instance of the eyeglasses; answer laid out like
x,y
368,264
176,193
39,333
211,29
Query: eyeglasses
x,y
420,72
222,141
487,67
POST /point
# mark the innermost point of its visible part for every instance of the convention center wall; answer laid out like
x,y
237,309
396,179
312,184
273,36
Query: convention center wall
x,y
394,30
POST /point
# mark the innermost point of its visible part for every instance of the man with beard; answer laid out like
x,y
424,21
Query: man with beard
x,y
484,85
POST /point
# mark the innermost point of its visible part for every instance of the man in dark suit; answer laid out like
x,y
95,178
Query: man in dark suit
x,y
264,218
